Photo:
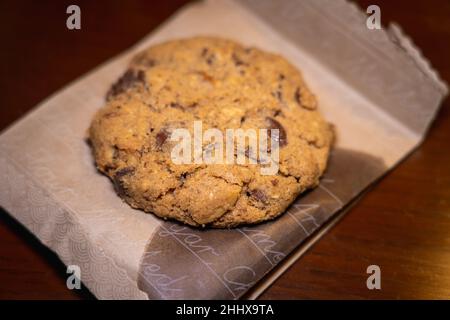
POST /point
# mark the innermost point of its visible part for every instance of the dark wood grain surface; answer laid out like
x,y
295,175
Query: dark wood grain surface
x,y
402,224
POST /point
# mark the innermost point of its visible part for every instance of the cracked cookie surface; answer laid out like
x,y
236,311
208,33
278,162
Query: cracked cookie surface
x,y
226,86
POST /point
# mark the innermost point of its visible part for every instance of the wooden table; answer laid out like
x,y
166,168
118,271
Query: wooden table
x,y
402,224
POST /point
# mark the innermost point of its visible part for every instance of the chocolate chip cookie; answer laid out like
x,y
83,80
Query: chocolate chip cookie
x,y
224,85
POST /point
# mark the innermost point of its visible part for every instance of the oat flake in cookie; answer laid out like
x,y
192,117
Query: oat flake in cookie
x,y
225,85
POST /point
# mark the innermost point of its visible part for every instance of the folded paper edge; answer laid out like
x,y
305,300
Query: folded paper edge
x,y
402,40
399,38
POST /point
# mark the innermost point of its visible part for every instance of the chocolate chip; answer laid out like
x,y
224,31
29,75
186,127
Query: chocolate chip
x,y
123,172
258,195
274,124
309,104
237,61
254,155
118,179
108,168
161,137
281,76
274,182
279,95
277,113
183,177
176,105
209,58
120,188
128,80
297,97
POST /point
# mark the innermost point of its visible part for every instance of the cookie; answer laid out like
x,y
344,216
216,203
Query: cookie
x,y
222,85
